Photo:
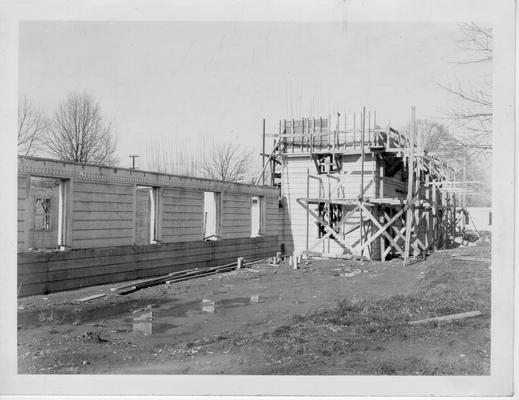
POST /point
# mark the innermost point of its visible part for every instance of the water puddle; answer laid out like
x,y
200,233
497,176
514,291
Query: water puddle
x,y
212,306
145,316
164,319
146,325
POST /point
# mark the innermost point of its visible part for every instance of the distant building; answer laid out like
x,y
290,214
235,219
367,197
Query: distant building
x,y
479,218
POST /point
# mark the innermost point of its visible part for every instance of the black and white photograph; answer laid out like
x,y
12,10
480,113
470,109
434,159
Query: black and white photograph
x,y
246,196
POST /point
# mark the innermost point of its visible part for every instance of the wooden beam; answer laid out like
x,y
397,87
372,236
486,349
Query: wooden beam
x,y
447,318
410,168
327,228
361,195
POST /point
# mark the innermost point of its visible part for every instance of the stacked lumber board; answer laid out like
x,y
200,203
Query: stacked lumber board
x,y
182,276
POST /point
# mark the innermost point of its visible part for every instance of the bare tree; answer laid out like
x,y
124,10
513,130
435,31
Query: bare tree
x,y
79,132
205,159
469,165
227,162
31,128
471,115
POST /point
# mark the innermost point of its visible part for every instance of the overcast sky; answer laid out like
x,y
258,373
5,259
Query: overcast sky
x,y
181,81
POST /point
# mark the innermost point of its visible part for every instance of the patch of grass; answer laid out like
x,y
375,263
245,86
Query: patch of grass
x,y
354,327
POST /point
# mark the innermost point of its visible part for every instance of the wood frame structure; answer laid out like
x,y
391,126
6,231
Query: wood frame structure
x,y
418,218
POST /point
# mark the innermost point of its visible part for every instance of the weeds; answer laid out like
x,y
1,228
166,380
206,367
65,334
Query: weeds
x,y
361,326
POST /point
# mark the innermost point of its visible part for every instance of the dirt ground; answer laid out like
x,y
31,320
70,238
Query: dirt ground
x,y
328,317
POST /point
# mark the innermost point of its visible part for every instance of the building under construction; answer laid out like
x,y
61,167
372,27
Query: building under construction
x,y
354,187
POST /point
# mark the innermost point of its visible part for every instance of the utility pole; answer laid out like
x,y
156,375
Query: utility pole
x,y
133,157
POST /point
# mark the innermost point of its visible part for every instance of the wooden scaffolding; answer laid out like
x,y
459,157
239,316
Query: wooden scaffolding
x,y
421,218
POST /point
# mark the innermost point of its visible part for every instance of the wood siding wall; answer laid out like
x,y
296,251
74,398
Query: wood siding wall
x,y
294,186
101,221
21,214
103,205
40,273
102,215
182,215
236,215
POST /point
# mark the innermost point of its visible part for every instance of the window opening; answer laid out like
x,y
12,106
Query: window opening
x,y
212,215
146,215
42,214
257,216
48,219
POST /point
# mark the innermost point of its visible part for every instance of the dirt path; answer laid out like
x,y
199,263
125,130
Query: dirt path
x,y
215,324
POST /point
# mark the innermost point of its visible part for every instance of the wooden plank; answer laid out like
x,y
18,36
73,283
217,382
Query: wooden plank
x,y
100,215
92,297
447,318
102,224
135,259
111,233
112,205
82,190
76,254
100,243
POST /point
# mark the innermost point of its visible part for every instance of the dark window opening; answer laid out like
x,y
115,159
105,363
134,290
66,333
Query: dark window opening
x,y
335,216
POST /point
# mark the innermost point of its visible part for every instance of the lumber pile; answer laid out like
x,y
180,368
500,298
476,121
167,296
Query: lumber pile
x,y
185,275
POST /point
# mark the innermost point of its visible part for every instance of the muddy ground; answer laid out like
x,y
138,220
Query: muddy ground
x,y
328,317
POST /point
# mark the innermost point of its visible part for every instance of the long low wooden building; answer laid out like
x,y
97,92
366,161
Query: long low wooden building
x,y
82,225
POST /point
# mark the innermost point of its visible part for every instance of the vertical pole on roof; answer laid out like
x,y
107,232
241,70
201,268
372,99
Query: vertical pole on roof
x,y
329,130
345,129
354,127
410,167
375,133
263,154
370,138
320,133
388,136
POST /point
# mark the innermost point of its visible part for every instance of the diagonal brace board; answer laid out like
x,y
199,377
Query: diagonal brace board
x,y
341,222
383,229
330,231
